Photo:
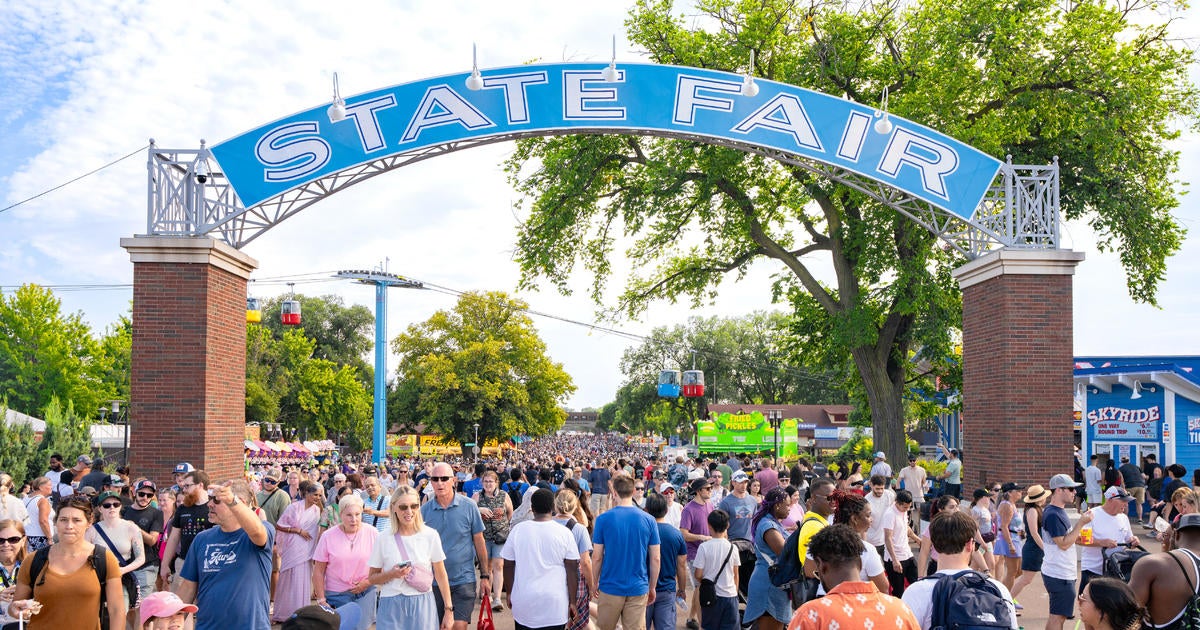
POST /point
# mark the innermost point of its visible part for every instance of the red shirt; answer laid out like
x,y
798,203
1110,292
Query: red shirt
x,y
854,605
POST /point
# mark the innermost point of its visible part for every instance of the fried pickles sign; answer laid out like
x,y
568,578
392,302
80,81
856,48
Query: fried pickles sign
x,y
563,98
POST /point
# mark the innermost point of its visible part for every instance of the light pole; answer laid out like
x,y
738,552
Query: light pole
x,y
382,280
476,448
775,425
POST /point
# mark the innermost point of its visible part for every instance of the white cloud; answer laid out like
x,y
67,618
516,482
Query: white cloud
x,y
85,83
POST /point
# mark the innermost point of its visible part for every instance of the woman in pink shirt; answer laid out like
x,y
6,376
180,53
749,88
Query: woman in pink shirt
x,y
340,562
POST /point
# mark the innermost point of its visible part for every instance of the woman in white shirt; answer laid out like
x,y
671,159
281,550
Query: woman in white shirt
x,y
39,531
11,508
401,605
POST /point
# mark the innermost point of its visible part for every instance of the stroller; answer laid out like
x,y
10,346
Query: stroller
x,y
748,557
1119,562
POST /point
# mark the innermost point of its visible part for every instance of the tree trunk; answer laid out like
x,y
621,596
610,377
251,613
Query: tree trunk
x,y
884,386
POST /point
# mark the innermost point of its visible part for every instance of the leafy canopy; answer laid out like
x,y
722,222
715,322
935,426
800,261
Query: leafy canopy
x,y
480,363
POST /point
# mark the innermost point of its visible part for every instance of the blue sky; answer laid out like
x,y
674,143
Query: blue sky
x,y
86,83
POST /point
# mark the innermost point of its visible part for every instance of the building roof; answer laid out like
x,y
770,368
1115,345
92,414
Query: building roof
x,y
12,417
816,415
1180,374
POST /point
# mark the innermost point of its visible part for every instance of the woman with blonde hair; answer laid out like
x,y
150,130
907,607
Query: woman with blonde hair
x,y
11,508
566,506
401,564
12,554
1185,501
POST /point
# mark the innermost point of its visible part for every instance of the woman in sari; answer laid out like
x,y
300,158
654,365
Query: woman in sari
x,y
295,541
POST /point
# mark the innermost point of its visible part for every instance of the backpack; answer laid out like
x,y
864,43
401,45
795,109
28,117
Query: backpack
x,y
1119,563
790,567
1189,618
967,600
99,562
515,492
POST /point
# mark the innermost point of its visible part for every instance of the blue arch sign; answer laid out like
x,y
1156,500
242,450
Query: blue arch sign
x,y
646,98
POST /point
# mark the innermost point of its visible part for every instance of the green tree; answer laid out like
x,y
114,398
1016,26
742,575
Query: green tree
x,y
1101,85
481,362
311,397
115,358
20,449
67,433
342,334
45,353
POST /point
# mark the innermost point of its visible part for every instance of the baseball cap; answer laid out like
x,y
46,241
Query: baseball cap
x,y
116,481
1188,520
84,459
145,484
666,487
313,618
1009,487
699,484
739,477
163,604
1117,492
880,455
182,468
1063,481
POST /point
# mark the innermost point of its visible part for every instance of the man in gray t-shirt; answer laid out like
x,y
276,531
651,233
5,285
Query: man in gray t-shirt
x,y
740,506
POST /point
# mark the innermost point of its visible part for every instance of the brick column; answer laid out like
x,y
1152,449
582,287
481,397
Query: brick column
x,y
1017,366
188,379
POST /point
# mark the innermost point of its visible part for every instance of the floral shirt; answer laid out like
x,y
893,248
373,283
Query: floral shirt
x,y
854,605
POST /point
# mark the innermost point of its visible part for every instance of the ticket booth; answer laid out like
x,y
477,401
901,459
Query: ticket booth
x,y
1135,406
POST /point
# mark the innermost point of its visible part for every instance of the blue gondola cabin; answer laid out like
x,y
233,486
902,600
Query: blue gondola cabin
x,y
668,383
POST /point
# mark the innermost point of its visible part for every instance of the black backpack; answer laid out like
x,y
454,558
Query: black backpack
x,y
967,600
513,488
789,568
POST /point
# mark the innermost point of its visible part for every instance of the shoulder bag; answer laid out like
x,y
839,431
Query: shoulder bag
x,y
419,578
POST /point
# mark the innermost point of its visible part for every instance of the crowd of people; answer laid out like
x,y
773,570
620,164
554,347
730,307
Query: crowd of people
x,y
581,531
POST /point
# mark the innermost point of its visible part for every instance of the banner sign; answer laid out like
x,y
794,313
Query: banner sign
x,y
545,99
745,432
1121,423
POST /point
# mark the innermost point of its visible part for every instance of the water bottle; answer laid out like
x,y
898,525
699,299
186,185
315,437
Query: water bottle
x,y
681,602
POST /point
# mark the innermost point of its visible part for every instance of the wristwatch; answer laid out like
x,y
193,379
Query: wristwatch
x,y
484,576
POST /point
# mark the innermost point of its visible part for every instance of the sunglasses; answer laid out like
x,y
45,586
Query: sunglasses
x,y
110,506
639,488
440,479
12,541
407,507
146,495
270,480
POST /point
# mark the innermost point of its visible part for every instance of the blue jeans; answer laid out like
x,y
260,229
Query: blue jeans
x,y
661,616
366,600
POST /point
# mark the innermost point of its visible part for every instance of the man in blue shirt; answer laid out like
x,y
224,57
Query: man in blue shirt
x,y
598,479
673,551
624,576
227,572
475,484
740,507
456,519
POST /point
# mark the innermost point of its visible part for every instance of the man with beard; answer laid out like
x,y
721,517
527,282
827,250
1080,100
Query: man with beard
x,y
149,520
191,518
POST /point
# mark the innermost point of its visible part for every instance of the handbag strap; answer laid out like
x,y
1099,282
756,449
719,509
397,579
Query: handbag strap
x,y
378,507
108,541
400,546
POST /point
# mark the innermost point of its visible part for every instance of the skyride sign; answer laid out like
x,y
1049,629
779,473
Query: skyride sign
x,y
547,99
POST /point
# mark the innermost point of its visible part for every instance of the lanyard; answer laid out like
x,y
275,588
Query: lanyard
x,y
7,579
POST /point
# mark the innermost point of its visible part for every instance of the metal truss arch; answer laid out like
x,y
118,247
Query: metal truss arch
x,y
186,197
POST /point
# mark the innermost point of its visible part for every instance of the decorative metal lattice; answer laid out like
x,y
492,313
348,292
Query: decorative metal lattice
x,y
187,198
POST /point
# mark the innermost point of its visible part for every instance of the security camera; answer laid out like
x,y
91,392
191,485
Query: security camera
x,y
201,177
201,170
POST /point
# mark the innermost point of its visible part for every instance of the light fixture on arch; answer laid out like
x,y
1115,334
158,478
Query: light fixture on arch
x,y
475,81
336,111
610,73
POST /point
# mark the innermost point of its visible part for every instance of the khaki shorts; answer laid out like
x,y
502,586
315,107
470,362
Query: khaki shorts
x,y
1138,494
630,611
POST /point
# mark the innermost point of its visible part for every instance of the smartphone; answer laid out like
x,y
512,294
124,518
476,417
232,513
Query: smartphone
x,y
403,564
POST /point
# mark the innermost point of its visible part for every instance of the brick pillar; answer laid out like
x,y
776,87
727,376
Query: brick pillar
x,y
188,379
1017,366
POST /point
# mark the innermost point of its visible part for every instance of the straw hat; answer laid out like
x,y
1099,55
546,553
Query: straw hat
x,y
1036,494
